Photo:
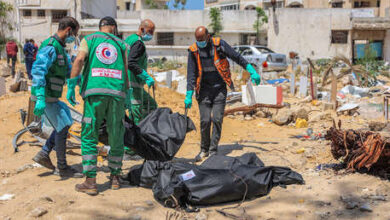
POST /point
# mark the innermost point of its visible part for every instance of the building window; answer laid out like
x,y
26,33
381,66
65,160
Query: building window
x,y
339,37
250,7
57,15
27,13
337,4
230,7
378,3
128,6
211,1
41,13
361,4
268,5
166,38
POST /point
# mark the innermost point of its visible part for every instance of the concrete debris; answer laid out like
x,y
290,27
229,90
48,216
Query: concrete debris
x,y
261,114
323,215
377,198
327,106
365,208
7,197
376,125
5,70
348,107
301,113
201,216
135,217
351,205
248,118
47,198
182,86
355,91
38,212
283,117
28,166
320,116
150,203
173,75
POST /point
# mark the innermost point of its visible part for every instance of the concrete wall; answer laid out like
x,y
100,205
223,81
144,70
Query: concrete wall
x,y
385,5
386,47
308,32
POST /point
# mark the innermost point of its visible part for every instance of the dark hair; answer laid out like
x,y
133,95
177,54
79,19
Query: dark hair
x,y
68,22
107,21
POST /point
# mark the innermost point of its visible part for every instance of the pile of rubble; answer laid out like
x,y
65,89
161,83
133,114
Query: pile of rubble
x,y
19,82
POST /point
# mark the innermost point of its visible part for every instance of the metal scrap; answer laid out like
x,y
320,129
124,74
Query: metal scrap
x,y
360,150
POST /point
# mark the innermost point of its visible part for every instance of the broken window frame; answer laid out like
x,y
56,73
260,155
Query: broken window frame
x,y
362,4
337,4
166,38
41,13
57,15
340,40
27,13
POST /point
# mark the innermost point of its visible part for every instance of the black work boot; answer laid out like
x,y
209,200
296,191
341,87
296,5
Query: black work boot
x,y
202,155
68,172
88,186
43,159
212,153
115,182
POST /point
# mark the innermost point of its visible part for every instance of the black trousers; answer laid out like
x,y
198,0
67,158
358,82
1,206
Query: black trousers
x,y
212,103
13,59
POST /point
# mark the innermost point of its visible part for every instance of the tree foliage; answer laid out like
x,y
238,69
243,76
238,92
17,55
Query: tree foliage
x,y
261,18
5,25
151,4
216,21
178,3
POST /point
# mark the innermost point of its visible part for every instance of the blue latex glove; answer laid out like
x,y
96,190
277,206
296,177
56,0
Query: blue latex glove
x,y
70,95
144,76
254,75
188,100
128,99
40,105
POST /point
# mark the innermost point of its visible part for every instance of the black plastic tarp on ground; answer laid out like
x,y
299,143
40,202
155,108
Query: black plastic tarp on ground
x,y
158,137
218,179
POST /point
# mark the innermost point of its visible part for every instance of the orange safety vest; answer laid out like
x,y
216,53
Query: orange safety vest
x,y
221,64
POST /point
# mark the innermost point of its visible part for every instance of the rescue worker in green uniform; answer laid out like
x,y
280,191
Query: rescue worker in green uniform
x,y
104,86
49,72
141,102
137,65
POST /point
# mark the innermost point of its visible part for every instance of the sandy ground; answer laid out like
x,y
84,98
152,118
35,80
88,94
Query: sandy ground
x,y
319,198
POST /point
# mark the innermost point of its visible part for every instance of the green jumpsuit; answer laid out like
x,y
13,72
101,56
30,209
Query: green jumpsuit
x,y
140,99
103,90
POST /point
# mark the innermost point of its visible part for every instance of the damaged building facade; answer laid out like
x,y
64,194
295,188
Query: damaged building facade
x,y
325,33
312,28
